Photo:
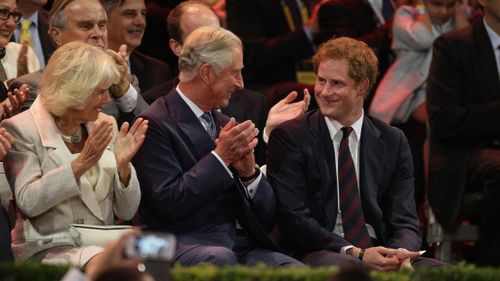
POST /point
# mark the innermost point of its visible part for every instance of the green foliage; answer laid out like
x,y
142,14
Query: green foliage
x,y
31,271
42,272
242,273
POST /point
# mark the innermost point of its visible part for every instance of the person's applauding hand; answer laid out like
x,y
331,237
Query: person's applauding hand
x,y
236,140
246,166
99,138
6,141
286,110
119,89
126,146
12,104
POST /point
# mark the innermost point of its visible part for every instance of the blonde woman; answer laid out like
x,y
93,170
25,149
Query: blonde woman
x,y
69,163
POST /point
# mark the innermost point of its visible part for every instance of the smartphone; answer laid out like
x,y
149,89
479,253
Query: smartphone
x,y
154,246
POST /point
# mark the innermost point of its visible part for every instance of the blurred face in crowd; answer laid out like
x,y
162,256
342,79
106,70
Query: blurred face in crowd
x,y
126,24
228,81
337,94
197,16
193,17
85,21
8,14
440,11
33,3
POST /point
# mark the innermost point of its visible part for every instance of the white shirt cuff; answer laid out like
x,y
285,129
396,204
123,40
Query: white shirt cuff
x,y
222,162
265,136
128,101
344,249
252,188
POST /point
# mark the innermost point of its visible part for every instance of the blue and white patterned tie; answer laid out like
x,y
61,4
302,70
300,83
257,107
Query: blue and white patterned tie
x,y
208,122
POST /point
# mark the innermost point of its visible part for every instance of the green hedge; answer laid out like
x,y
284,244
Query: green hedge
x,y
36,271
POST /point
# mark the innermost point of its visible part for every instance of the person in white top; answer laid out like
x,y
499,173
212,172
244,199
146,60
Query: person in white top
x,y
16,59
69,163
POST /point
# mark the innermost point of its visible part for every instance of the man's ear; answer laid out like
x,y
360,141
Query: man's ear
x,y
56,35
206,73
175,46
363,87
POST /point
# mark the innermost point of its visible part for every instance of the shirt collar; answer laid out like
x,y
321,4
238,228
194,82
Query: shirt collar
x,y
334,127
33,18
196,109
494,37
376,6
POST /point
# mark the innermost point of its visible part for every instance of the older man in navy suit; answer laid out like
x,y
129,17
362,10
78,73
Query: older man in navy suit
x,y
344,180
197,169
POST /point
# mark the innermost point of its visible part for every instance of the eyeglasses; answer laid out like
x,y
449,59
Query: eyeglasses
x,y
5,14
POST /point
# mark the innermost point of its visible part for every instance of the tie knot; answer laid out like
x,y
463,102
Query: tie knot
x,y
207,116
26,23
208,122
346,132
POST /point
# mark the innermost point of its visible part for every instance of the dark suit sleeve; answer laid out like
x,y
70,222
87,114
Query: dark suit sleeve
x,y
5,251
172,188
48,46
458,112
141,105
287,170
398,203
129,117
3,92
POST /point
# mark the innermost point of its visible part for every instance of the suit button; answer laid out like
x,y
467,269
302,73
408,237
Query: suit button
x,y
80,221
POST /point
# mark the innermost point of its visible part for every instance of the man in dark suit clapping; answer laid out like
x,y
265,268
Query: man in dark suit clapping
x,y
197,168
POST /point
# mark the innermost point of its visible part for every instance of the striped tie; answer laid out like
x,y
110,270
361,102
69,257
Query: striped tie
x,y
353,220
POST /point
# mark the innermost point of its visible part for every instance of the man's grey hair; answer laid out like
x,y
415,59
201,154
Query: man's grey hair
x,y
111,4
208,44
58,19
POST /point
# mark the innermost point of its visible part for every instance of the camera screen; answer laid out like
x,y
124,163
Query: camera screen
x,y
152,246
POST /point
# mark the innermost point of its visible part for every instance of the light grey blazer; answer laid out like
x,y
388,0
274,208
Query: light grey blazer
x,y
48,197
402,88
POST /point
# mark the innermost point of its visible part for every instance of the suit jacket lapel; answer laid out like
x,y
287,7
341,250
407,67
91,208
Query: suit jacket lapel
x,y
326,166
88,195
201,143
48,46
371,160
137,66
486,59
49,135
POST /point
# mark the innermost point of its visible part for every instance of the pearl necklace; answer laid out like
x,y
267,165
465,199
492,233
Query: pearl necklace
x,y
74,138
